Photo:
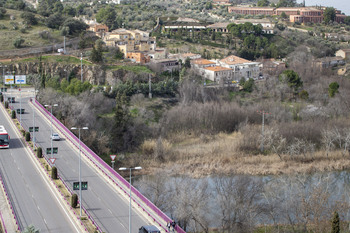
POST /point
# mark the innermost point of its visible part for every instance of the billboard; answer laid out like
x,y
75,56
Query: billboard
x,y
17,79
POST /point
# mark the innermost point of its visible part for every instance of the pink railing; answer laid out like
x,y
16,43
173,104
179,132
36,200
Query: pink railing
x,y
102,165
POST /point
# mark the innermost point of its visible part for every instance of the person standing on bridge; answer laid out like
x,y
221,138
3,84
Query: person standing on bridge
x,y
168,226
173,224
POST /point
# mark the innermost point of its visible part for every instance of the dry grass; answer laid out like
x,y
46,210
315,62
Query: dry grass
x,y
219,154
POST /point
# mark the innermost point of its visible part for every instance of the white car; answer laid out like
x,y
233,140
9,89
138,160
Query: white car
x,y
55,137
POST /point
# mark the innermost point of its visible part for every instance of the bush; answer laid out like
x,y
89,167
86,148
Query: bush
x,y
13,114
39,152
74,202
1,98
23,132
18,42
54,173
6,104
27,136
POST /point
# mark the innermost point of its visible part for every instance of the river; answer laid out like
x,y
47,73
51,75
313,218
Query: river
x,y
342,5
251,200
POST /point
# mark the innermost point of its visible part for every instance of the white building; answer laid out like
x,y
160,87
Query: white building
x,y
218,74
242,68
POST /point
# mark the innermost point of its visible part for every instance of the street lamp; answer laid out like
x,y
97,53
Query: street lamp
x,y
80,196
51,107
33,102
81,67
4,81
124,169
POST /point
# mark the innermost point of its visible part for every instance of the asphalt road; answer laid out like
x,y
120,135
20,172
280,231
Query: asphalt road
x,y
33,200
107,206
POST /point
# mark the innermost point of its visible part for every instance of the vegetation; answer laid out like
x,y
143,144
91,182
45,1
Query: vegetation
x,y
13,114
54,173
27,136
39,152
74,201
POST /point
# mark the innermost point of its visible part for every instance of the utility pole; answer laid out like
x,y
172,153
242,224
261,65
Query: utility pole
x,y
149,86
81,67
263,113
64,45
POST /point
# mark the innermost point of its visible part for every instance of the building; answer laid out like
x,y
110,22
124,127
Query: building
x,y
296,14
339,18
328,62
165,65
130,40
184,56
252,10
138,57
241,67
99,29
202,63
219,27
344,53
218,74
271,66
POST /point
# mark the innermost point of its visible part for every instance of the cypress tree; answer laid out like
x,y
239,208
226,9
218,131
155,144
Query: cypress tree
x,y
335,223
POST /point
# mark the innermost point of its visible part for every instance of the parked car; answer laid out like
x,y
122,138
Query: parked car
x,y
149,229
55,137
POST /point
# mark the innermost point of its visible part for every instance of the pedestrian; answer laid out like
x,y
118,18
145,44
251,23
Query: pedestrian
x,y
168,226
173,225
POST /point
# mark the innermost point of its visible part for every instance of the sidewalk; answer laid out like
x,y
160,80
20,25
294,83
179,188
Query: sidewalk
x,y
6,214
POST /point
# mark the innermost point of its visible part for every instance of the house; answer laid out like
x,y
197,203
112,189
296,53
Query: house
x,y
165,65
138,57
219,27
218,74
202,63
130,40
271,66
241,67
252,10
328,62
267,25
344,53
184,56
99,29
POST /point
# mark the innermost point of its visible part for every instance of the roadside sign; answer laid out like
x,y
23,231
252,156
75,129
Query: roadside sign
x,y
21,79
48,151
52,160
55,150
84,185
113,157
35,128
30,129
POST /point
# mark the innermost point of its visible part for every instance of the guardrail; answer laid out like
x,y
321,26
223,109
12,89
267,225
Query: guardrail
x,y
67,201
102,165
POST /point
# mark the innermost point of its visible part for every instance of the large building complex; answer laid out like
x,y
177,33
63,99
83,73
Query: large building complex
x,y
296,14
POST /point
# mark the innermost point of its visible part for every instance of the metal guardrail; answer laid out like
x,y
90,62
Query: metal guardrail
x,y
104,165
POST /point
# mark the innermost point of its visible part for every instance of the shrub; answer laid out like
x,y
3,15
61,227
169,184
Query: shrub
x,y
54,173
13,114
1,98
27,136
23,132
74,202
6,104
39,152
18,42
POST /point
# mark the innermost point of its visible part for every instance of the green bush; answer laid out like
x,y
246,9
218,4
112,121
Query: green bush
x,y
1,98
74,202
23,132
27,136
39,152
6,104
13,114
54,173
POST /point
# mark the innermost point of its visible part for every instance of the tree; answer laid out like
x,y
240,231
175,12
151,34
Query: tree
x,y
29,18
347,20
208,6
2,12
333,89
74,25
55,21
284,15
69,11
335,223
187,63
329,15
18,42
263,3
292,79
30,229
107,16
96,54
121,119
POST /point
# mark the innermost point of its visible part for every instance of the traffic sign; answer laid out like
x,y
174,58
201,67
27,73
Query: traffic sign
x,y
52,160
113,157
55,150
84,185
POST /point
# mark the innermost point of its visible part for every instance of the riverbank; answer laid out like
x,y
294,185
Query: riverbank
x,y
219,154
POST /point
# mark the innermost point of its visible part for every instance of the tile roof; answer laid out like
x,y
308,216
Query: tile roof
x,y
217,68
202,61
231,60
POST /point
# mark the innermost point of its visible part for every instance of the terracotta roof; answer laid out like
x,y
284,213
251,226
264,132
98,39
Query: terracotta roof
x,y
202,61
252,8
218,25
231,60
217,68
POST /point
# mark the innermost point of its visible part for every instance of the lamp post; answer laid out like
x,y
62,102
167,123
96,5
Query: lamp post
x,y
3,76
51,107
124,169
81,67
33,102
80,194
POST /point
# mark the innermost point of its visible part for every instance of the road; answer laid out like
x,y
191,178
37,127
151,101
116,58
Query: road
x,y
108,207
33,199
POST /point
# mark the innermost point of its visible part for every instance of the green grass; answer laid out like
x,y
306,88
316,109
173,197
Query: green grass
x,y
135,69
56,59
31,35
